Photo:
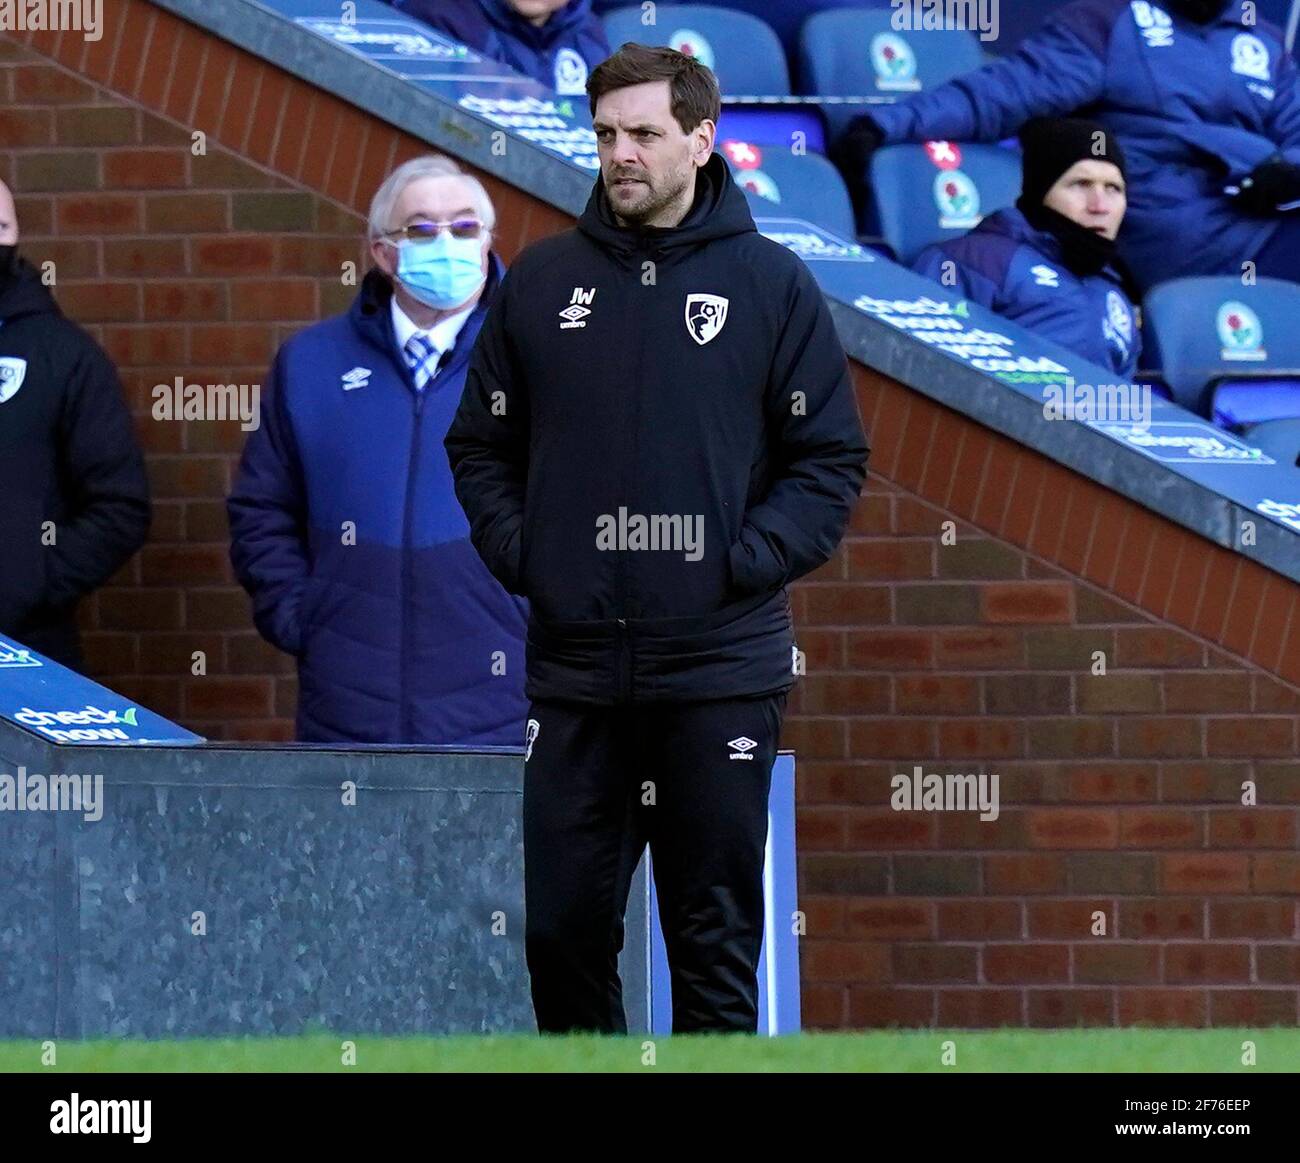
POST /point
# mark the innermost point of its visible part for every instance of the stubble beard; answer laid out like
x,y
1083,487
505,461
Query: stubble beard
x,y
649,205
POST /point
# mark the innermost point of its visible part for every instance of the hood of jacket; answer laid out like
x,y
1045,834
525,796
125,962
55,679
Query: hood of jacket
x,y
719,211
1011,223
25,294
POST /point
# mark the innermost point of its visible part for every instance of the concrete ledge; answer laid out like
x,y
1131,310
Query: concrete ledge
x,y
401,914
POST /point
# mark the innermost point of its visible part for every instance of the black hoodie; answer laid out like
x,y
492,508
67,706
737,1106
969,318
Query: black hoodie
x,y
68,456
689,377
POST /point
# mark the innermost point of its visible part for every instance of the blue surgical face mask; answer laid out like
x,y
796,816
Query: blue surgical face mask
x,y
442,273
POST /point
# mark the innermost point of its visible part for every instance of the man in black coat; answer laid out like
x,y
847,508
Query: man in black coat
x,y
658,433
75,496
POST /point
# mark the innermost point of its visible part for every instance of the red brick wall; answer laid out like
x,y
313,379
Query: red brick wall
x,y
1120,793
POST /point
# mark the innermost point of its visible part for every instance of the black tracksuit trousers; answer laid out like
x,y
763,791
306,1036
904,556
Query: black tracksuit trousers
x,y
692,781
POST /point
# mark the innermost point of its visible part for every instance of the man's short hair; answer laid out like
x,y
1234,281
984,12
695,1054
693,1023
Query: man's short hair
x,y
693,89
429,166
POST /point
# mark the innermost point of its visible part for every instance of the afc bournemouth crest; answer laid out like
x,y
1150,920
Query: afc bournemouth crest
x,y
12,373
705,315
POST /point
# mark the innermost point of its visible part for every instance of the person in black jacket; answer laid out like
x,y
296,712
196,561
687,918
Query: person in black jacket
x,y
658,433
76,499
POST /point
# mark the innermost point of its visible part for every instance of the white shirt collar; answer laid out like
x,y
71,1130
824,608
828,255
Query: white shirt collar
x,y
442,335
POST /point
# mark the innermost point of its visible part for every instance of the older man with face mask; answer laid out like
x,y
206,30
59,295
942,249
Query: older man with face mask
x,y
345,527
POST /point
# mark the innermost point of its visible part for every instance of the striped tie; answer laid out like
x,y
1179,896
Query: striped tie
x,y
422,358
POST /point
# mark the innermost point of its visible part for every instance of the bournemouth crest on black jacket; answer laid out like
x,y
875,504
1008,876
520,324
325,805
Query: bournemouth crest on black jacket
x,y
658,433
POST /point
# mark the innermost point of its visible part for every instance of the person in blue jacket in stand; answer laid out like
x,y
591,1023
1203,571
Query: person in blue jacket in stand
x,y
556,42
1202,98
1049,262
345,528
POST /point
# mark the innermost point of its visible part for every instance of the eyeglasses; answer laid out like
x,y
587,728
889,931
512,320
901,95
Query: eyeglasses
x,y
428,231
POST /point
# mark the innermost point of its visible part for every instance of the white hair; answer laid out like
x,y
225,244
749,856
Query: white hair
x,y
430,166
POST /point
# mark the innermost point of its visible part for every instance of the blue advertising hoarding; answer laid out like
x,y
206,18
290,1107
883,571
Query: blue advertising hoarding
x,y
1043,372
1070,388
64,707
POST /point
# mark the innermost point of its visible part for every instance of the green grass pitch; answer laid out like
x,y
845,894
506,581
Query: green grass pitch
x,y
962,1052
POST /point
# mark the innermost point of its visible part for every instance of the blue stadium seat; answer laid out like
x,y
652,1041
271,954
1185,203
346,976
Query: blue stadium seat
x,y
741,50
1228,351
1279,438
766,125
940,190
780,184
857,52
783,16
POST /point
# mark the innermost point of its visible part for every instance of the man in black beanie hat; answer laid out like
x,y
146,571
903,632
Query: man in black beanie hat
x,y
1074,187
1205,97
1049,263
